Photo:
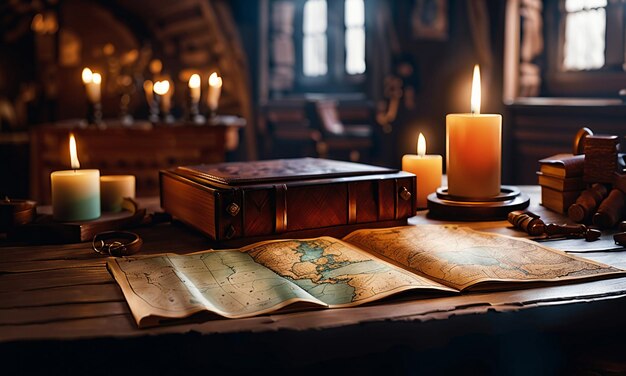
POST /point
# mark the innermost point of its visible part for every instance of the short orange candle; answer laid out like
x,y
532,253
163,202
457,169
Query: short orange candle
x,y
427,168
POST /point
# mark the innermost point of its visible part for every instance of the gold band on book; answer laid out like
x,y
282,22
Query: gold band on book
x,y
281,208
352,189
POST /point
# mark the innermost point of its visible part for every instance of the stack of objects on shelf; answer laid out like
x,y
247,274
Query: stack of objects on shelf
x,y
590,187
561,180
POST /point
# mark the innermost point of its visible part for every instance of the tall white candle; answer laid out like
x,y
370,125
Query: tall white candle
x,y
473,143
93,85
215,90
75,193
164,91
194,88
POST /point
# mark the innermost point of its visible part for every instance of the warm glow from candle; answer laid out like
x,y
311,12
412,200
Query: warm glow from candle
x,y
87,75
194,80
97,78
475,101
215,80
162,87
73,154
421,145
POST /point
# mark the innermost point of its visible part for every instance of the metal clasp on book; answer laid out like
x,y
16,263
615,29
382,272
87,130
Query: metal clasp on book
x,y
233,209
404,193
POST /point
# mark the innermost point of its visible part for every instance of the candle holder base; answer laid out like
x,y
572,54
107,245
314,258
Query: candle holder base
x,y
442,205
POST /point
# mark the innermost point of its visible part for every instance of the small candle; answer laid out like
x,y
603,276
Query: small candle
x,y
113,190
93,85
473,144
75,193
148,88
194,88
215,89
427,168
162,89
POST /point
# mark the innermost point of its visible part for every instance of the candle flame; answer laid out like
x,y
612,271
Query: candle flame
x,y
87,75
73,154
215,80
421,145
147,85
194,80
162,87
475,101
97,78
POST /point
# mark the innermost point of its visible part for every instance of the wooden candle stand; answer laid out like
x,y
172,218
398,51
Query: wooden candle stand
x,y
442,205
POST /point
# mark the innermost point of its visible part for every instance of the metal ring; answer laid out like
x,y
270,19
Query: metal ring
x,y
117,247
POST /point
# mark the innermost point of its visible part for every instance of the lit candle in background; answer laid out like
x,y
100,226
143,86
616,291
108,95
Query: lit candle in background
x,y
93,85
162,89
148,88
215,89
75,193
194,88
473,144
427,168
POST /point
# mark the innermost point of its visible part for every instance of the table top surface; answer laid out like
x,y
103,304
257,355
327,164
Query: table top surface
x,y
66,291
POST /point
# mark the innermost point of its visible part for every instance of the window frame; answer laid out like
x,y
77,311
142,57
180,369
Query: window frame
x,y
606,81
336,80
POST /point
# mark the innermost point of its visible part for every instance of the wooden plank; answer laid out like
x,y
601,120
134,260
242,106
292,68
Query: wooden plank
x,y
46,252
52,313
54,278
62,295
83,328
35,266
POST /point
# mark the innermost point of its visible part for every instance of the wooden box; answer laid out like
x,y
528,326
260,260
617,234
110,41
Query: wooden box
x,y
286,198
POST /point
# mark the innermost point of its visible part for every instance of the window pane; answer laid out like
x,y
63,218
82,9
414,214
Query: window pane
x,y
354,13
578,5
314,51
585,40
355,50
314,17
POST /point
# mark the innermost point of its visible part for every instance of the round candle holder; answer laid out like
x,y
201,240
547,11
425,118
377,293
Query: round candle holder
x,y
442,205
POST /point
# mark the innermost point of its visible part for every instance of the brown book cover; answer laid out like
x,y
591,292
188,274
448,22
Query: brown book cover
x,y
563,165
245,173
557,200
561,184
286,198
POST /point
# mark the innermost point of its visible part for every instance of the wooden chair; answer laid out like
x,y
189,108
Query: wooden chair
x,y
339,140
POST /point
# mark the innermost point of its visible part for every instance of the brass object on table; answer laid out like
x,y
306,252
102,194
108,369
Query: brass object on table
x,y
601,153
579,140
573,231
587,203
610,210
620,238
531,223
527,221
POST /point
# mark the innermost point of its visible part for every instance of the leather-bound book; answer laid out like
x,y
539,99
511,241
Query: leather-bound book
x,y
249,201
561,184
557,200
563,165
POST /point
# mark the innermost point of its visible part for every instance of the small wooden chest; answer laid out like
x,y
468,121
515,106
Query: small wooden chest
x,y
303,197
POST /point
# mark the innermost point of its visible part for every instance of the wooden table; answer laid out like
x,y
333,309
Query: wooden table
x,y
61,310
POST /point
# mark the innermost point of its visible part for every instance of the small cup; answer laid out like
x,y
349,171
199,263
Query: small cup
x,y
113,190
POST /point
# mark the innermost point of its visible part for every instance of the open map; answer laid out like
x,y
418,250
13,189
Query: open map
x,y
365,266
462,258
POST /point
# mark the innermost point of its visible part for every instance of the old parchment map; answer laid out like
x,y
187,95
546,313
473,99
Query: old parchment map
x,y
258,279
460,257
334,273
